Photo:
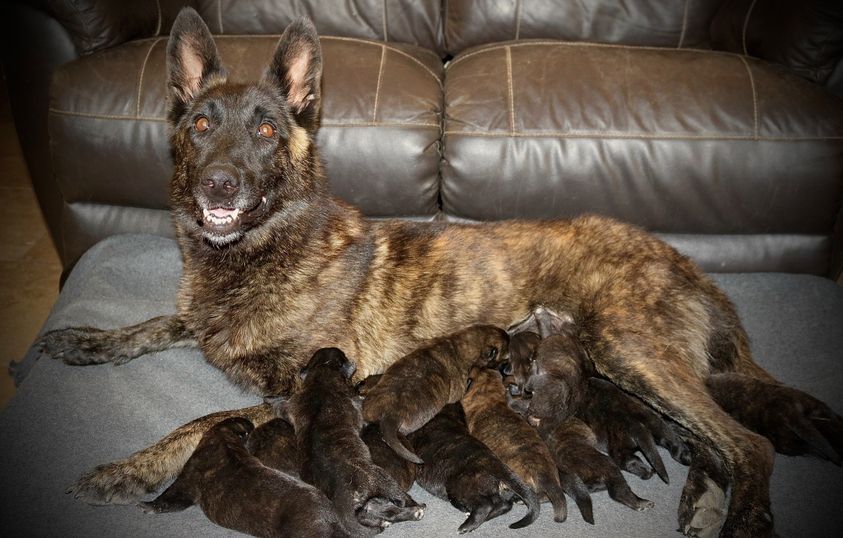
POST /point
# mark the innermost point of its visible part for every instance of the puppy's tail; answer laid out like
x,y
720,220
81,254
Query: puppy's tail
x,y
389,431
526,494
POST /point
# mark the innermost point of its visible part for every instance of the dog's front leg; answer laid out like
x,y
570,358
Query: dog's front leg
x,y
86,345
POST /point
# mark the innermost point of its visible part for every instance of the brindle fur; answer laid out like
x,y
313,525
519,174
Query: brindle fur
x,y
235,490
417,386
514,441
462,470
334,457
305,270
274,443
403,471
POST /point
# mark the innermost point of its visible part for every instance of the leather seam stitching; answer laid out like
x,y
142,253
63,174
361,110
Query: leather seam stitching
x,y
614,135
589,45
746,24
378,87
157,119
158,26
383,13
684,25
511,93
754,98
140,79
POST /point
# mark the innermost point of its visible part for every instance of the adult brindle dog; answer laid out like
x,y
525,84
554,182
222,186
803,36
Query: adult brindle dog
x,y
275,268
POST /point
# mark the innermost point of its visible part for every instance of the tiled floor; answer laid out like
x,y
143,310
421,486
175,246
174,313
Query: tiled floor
x,y
29,265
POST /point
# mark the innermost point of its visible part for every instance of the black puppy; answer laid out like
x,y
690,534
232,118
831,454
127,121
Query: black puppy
x,y
464,471
236,491
334,457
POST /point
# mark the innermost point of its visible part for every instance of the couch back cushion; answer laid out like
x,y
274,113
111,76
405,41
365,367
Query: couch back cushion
x,y
673,23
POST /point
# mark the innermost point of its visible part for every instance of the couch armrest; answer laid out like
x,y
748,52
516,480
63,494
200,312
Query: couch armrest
x,y
28,68
805,36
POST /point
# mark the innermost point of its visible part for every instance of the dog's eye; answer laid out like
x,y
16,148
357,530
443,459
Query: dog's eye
x,y
202,124
266,130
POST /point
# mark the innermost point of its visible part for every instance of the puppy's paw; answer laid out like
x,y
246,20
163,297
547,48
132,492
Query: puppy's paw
x,y
79,346
112,483
802,424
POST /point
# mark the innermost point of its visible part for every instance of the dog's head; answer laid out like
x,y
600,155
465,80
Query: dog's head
x,y
243,153
329,358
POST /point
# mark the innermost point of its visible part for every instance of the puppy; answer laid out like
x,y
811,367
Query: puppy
x,y
514,441
274,444
403,471
574,448
624,424
463,471
334,457
238,492
419,385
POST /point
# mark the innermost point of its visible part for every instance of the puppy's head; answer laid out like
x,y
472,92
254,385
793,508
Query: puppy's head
x,y
484,386
521,364
483,345
236,426
243,153
331,359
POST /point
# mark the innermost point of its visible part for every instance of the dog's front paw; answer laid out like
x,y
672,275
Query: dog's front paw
x,y
81,346
112,483
702,508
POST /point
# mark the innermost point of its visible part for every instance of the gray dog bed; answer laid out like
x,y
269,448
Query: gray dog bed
x,y
65,420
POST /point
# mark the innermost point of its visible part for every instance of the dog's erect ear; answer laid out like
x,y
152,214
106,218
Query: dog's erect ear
x,y
297,69
192,61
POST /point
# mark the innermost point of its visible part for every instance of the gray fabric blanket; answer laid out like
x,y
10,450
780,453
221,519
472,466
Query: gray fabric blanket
x,y
65,420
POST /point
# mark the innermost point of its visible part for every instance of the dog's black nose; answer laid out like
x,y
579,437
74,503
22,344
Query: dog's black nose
x,y
220,183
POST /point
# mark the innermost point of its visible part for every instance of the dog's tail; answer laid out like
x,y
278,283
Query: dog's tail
x,y
389,431
526,494
577,490
551,487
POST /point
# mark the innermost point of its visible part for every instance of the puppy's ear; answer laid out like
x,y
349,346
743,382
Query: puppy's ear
x,y
192,62
297,70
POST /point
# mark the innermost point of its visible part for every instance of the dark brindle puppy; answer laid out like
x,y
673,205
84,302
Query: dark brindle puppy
x,y
334,457
236,491
274,444
553,378
624,425
514,441
574,448
275,268
462,470
419,385
403,471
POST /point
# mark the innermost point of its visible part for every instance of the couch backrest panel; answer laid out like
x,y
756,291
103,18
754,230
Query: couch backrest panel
x,y
662,23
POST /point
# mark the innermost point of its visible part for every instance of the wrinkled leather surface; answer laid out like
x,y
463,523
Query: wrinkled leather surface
x,y
110,145
407,21
674,23
677,141
806,36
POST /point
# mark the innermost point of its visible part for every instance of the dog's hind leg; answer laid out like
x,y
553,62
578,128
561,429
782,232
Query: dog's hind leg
x,y
86,345
125,481
668,385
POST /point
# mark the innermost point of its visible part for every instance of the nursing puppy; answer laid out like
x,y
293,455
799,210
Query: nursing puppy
x,y
463,471
236,491
574,449
514,441
419,385
552,378
624,425
334,457
274,444
403,471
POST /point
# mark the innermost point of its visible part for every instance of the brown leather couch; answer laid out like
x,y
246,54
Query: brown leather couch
x,y
717,124
644,110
